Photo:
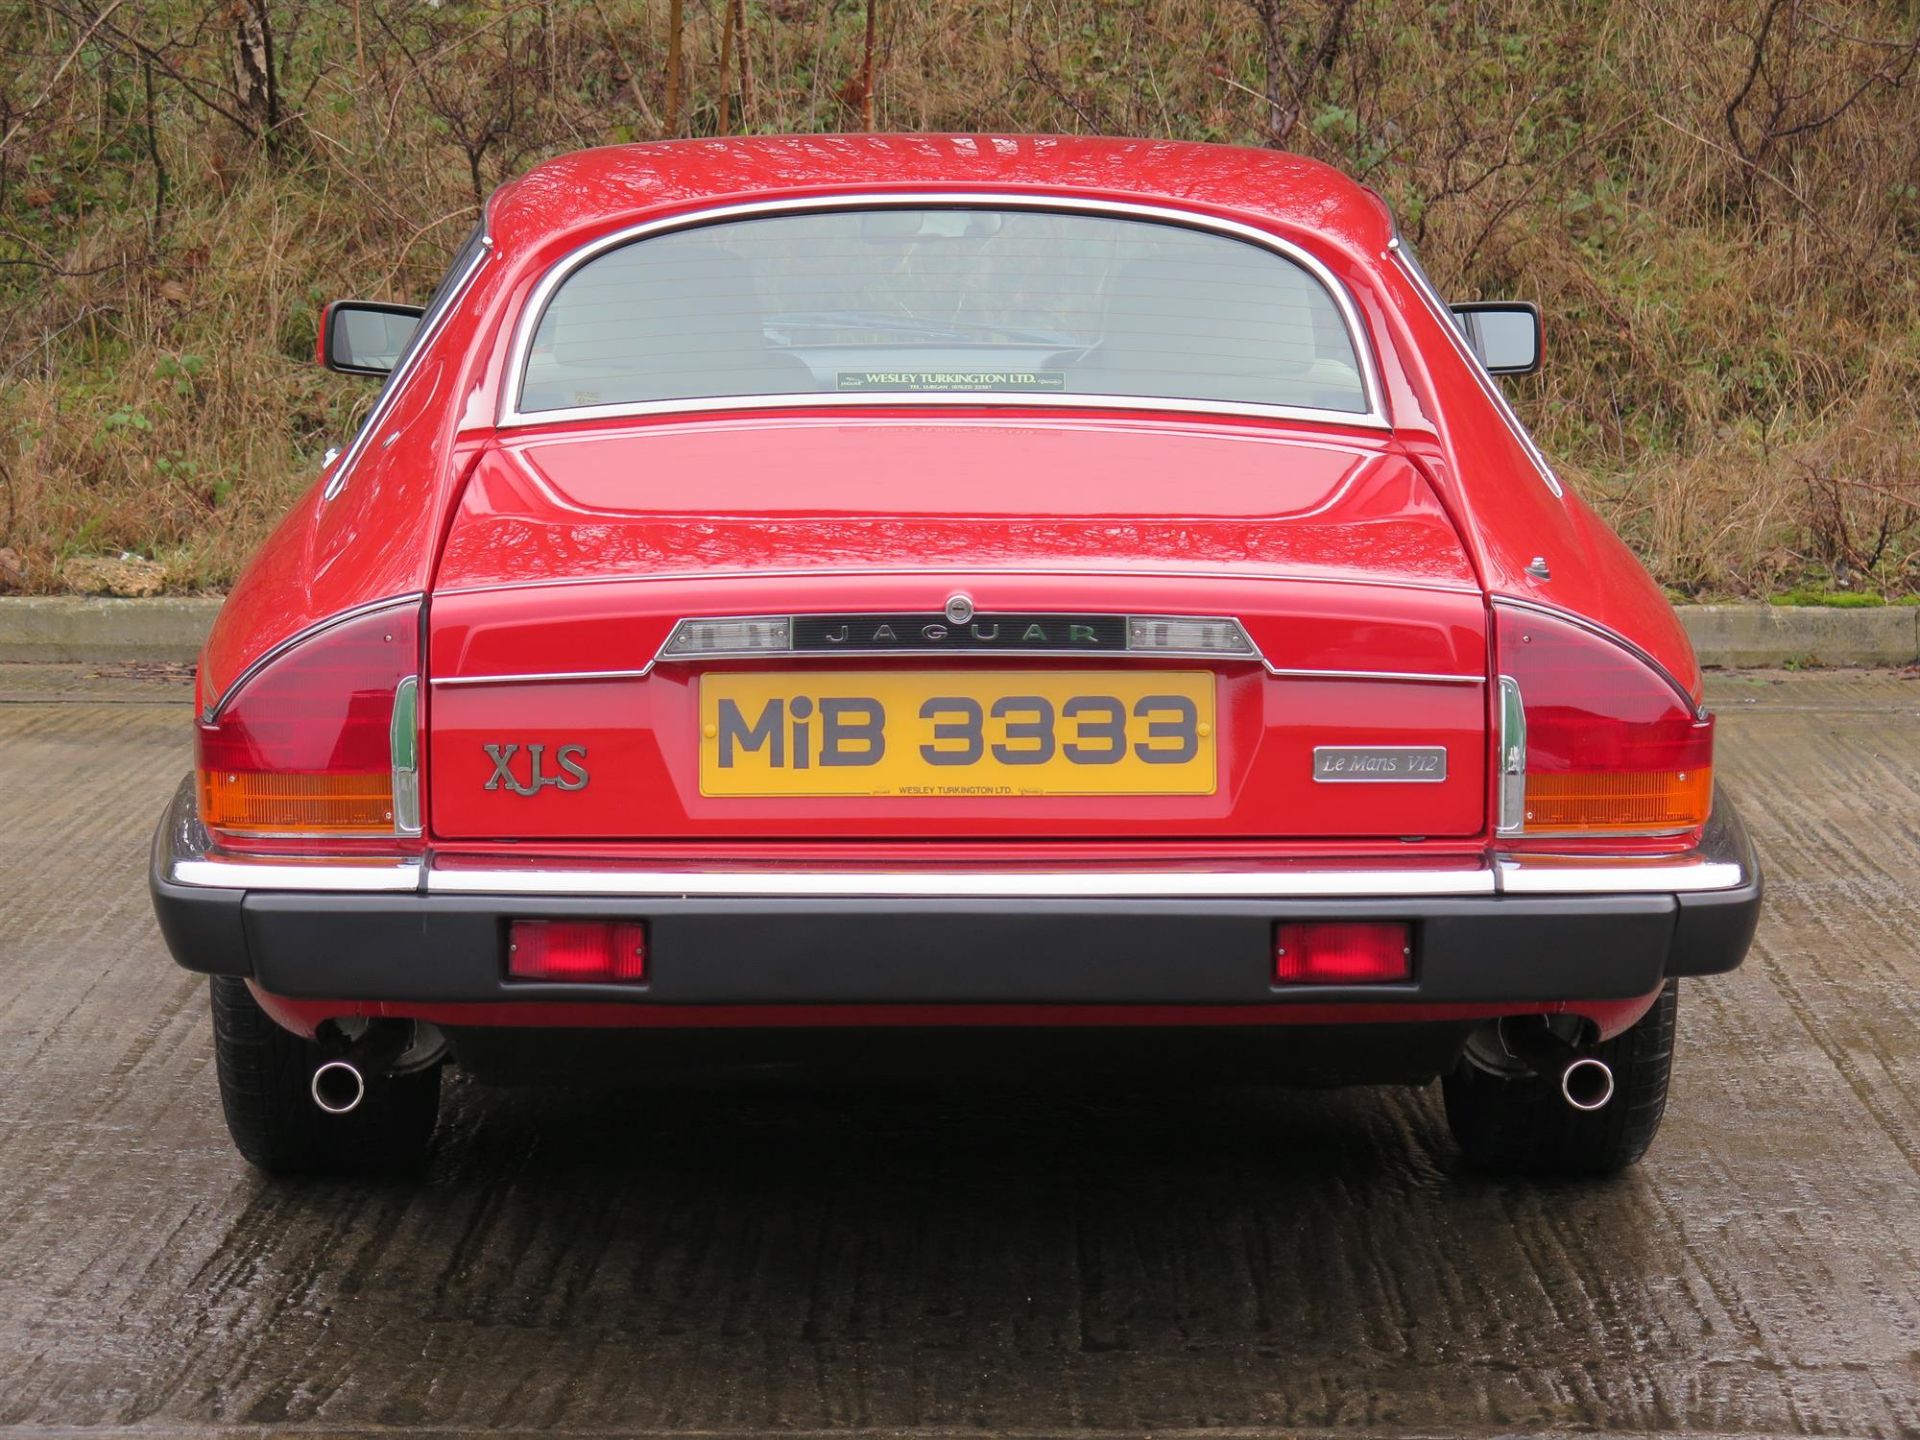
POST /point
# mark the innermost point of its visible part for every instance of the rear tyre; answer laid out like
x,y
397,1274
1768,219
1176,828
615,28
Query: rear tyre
x,y
1523,1126
265,1075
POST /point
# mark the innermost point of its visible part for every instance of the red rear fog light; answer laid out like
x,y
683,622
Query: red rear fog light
x,y
577,950
1341,952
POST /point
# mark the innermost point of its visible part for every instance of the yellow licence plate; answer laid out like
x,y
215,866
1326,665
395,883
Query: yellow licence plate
x,y
958,733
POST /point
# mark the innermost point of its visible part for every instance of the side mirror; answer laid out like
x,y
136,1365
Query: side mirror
x,y
365,337
1505,334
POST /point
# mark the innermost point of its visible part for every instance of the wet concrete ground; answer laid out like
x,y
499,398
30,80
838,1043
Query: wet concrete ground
x,y
714,1262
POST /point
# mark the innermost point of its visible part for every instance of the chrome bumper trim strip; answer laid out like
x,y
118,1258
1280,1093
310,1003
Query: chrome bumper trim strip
x,y
1724,861
373,876
1557,875
966,885
1546,875
187,858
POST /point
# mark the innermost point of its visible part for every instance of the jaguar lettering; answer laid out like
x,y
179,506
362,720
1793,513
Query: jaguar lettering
x,y
964,629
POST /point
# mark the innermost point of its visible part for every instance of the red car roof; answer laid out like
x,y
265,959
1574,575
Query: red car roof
x,y
592,189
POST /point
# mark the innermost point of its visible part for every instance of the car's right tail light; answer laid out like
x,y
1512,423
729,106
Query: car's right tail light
x,y
1594,740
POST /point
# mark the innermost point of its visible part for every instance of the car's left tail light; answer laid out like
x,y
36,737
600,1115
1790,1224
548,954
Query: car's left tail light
x,y
322,741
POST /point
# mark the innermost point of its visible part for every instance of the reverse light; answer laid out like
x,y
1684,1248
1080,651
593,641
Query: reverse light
x,y
1341,952
582,951
1187,635
320,742
730,637
1594,740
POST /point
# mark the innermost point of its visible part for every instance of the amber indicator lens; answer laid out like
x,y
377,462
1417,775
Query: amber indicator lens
x,y
1629,802
266,802
1342,952
580,951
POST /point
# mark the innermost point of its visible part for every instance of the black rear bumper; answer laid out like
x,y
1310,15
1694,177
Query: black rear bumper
x,y
420,945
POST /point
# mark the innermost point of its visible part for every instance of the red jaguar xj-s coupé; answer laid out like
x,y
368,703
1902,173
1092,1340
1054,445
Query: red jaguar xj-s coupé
x,y
798,593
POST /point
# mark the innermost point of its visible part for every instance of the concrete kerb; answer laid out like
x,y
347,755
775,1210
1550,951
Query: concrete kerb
x,y
1772,636
74,628
60,628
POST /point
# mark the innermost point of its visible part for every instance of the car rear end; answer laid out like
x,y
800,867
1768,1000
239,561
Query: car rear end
x,y
1159,833
1037,797
957,707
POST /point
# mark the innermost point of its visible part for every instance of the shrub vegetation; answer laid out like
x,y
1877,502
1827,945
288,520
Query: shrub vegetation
x,y
1716,203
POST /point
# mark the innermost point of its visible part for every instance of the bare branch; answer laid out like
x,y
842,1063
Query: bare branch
x,y
60,71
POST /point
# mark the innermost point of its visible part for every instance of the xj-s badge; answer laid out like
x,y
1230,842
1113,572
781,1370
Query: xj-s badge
x,y
572,776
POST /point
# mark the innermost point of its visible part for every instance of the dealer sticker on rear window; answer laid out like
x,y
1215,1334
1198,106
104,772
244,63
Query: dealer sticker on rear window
x,y
911,380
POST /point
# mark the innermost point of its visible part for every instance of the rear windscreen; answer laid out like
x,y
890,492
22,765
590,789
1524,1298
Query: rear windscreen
x,y
942,301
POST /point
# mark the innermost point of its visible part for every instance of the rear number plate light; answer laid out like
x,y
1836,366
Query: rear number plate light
x,y
581,952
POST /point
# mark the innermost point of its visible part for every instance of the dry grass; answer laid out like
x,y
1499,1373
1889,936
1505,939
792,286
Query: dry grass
x,y
1716,203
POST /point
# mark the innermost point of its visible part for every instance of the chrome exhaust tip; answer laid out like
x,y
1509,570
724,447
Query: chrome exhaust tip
x,y
1587,1083
339,1087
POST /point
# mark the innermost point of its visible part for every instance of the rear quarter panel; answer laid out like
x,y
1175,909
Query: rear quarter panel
x,y
379,534
1503,502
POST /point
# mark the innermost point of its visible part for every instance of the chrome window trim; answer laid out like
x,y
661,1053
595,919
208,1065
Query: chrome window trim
x,y
1441,587
979,400
1488,386
390,392
510,415
1363,450
300,637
